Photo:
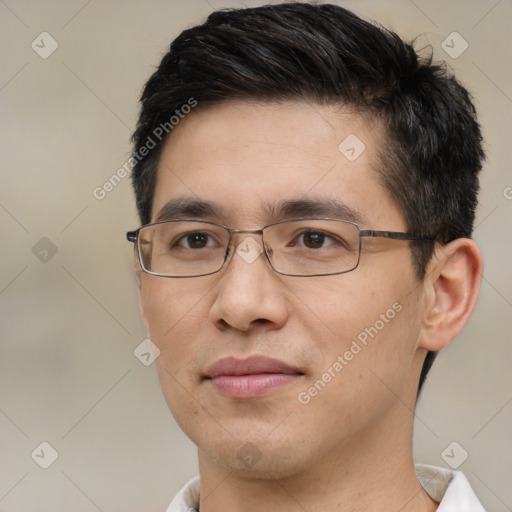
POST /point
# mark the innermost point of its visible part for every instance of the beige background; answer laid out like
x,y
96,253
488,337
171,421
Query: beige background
x,y
68,375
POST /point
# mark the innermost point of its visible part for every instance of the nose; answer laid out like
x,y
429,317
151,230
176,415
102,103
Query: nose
x,y
249,292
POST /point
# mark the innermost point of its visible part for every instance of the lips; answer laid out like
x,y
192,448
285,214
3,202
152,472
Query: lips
x,y
250,378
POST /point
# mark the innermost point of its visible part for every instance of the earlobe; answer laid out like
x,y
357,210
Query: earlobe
x,y
452,286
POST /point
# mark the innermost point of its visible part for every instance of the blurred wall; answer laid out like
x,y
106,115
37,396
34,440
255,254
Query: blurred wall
x,y
69,315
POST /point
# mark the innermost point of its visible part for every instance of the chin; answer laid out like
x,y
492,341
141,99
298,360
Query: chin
x,y
257,459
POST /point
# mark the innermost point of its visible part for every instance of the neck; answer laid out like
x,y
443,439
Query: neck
x,y
370,473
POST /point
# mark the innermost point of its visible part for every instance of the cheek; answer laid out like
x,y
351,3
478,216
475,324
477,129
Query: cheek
x,y
366,371
166,304
371,323
346,305
174,314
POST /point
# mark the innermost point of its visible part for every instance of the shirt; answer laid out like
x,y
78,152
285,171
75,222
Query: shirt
x,y
449,488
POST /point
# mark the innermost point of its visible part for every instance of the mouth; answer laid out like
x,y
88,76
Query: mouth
x,y
250,378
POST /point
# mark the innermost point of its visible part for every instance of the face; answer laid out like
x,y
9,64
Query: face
x,y
271,374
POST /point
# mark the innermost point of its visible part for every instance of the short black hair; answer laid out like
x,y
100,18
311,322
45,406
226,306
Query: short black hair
x,y
323,53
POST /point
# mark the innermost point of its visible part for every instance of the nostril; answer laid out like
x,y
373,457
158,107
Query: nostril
x,y
222,324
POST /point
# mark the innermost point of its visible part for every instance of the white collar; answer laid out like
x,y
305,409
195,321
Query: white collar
x,y
450,488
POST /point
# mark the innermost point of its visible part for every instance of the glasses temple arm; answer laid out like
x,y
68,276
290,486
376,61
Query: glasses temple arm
x,y
395,235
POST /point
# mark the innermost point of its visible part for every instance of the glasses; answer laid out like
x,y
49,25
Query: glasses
x,y
298,247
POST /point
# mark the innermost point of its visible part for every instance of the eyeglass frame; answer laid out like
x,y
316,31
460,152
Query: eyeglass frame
x,y
132,236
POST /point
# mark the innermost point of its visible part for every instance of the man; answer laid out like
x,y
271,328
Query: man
x,y
307,187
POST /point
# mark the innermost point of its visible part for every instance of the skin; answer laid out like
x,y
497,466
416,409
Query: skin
x,y
350,447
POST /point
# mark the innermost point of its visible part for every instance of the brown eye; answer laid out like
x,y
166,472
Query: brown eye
x,y
194,240
197,240
313,239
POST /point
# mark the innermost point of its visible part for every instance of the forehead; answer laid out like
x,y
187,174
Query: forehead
x,y
247,156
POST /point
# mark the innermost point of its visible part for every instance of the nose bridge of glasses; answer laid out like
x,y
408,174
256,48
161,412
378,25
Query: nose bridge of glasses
x,y
233,232
246,231
247,248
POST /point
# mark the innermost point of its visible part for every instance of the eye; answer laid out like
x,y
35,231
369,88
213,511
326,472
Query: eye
x,y
194,240
313,239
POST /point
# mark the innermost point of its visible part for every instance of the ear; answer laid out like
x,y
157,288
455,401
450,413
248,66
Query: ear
x,y
451,290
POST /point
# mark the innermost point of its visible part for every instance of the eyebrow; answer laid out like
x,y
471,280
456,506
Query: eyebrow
x,y
197,209
188,208
321,207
